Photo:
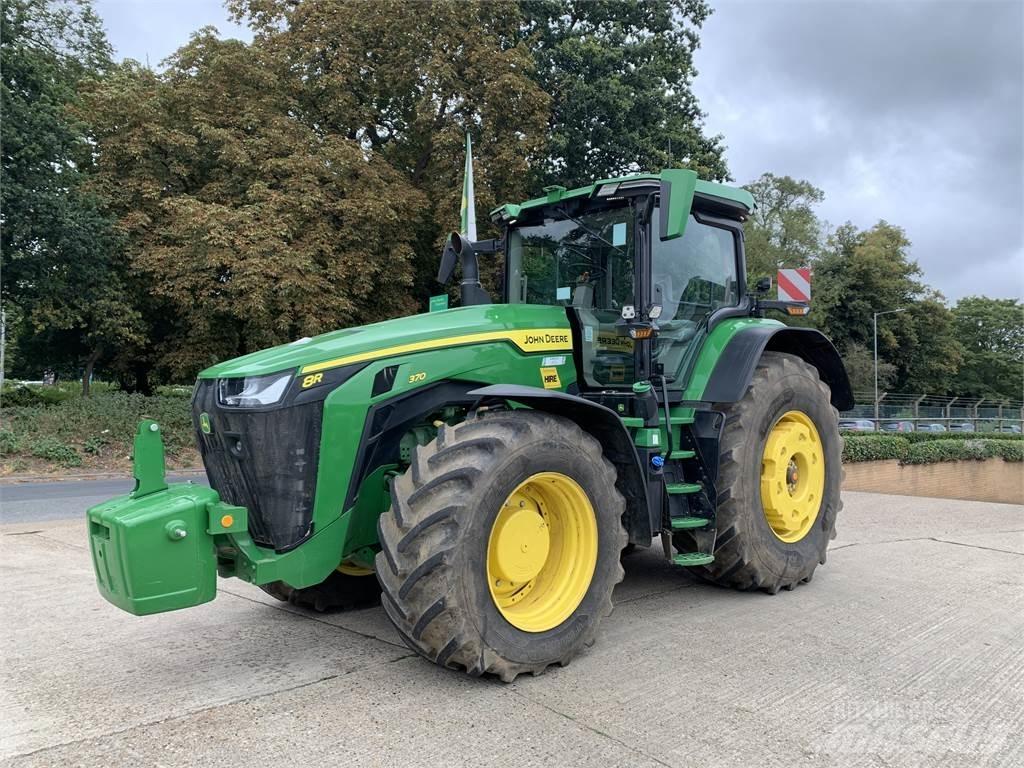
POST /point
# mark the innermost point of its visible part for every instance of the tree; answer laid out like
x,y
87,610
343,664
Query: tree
x,y
63,268
860,366
783,230
246,226
620,77
407,81
863,272
930,357
992,334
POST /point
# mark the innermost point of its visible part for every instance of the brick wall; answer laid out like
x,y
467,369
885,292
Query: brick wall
x,y
989,480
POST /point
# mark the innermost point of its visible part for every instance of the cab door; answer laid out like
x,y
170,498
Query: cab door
x,y
693,277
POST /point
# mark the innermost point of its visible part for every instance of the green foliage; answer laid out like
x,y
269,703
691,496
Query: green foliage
x,y
95,443
54,450
863,272
20,396
858,447
935,451
783,230
860,366
251,194
304,182
9,442
620,76
992,334
100,426
918,448
926,437
1006,450
63,267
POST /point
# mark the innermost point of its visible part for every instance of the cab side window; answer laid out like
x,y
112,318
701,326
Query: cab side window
x,y
691,277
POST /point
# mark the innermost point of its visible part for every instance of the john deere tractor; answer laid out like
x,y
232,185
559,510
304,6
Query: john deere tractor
x,y
482,469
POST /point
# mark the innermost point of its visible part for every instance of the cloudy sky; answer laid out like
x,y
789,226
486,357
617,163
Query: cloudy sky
x,y
911,112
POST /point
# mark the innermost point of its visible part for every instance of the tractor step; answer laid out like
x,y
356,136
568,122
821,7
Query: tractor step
x,y
682,455
680,420
676,488
682,523
692,558
632,422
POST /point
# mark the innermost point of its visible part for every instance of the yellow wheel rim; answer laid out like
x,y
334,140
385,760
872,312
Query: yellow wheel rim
x,y
351,569
542,552
792,476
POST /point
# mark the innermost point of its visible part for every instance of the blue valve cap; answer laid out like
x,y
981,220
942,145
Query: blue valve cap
x,y
657,462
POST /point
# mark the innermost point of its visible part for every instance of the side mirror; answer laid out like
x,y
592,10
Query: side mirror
x,y
675,199
763,285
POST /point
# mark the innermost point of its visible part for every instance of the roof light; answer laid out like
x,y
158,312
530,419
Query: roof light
x,y
607,190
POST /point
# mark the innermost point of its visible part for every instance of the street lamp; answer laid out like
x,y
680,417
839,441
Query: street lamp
x,y
877,314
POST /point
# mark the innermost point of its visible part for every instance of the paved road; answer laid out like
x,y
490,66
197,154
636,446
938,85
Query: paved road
x,y
907,649
35,502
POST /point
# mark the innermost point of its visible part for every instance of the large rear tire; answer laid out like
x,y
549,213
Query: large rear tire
x,y
779,480
501,548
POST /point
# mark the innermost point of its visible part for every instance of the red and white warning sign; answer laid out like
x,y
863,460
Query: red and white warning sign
x,y
794,284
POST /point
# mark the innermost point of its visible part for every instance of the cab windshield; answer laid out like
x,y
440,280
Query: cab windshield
x,y
585,260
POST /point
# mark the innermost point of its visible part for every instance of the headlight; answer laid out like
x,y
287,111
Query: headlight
x,y
253,391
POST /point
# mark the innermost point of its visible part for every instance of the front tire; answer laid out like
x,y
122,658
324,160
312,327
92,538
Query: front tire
x,y
779,480
347,588
501,548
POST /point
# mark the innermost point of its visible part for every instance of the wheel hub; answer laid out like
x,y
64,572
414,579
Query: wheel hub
x,y
792,476
542,552
521,544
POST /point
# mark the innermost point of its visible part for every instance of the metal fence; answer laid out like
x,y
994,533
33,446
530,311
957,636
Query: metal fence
x,y
959,414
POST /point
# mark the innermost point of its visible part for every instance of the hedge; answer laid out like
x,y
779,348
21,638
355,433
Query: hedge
x,y
927,437
874,447
883,447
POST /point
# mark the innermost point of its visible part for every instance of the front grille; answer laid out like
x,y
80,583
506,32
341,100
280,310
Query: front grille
x,y
263,460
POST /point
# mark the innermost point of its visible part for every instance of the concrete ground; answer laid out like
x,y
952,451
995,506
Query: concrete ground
x,y
907,649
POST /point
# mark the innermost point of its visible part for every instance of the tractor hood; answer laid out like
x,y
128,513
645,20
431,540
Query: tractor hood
x,y
531,328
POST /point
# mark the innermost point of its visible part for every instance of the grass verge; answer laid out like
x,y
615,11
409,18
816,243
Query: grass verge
x,y
61,432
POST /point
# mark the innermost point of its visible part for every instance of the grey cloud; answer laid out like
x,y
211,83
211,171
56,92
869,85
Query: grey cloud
x,y
912,112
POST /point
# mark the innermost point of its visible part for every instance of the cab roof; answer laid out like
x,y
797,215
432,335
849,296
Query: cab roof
x,y
739,200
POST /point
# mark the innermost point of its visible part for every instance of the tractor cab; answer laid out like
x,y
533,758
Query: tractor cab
x,y
645,267
639,296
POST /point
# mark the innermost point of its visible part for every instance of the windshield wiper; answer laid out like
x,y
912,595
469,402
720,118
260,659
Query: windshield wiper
x,y
588,230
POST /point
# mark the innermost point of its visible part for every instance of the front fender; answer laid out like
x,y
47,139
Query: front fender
x,y
604,424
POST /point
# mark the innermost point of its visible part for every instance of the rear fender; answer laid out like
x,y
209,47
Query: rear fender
x,y
735,367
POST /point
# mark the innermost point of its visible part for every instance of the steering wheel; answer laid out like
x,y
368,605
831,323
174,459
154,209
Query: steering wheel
x,y
595,272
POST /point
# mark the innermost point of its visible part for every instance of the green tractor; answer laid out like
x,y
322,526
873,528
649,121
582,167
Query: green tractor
x,y
481,470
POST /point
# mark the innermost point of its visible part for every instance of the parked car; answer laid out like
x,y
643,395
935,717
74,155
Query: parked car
x,y
965,426
930,428
1011,429
898,426
857,425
